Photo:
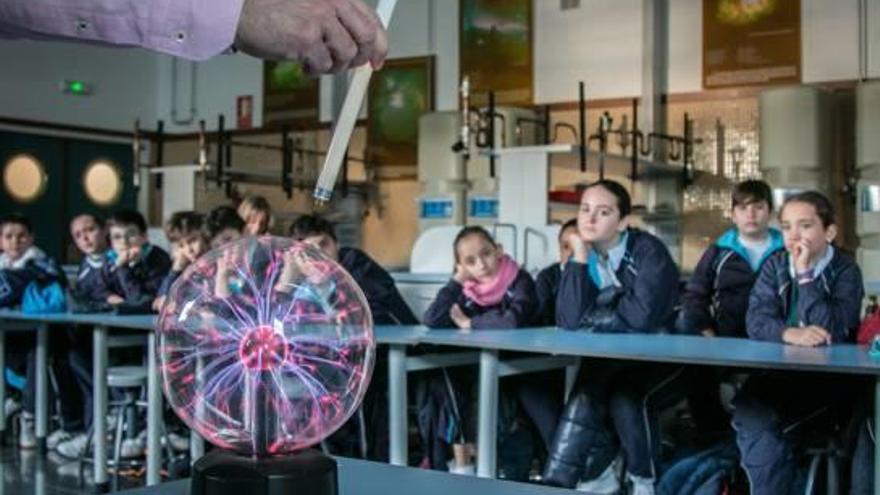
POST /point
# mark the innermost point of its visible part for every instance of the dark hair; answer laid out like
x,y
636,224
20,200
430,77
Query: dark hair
x,y
572,222
824,208
220,219
99,221
751,191
125,218
17,219
311,225
624,202
182,224
469,231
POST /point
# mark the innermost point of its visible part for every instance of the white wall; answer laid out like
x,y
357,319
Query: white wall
x,y
599,43
218,82
123,80
874,38
830,40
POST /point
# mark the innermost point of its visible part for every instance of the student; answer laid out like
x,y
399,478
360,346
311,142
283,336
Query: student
x,y
23,263
386,303
135,268
808,295
188,241
717,295
257,215
547,281
387,307
488,291
620,280
222,226
89,291
90,237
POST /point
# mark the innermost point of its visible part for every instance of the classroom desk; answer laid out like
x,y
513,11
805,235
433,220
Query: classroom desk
x,y
358,477
100,324
683,349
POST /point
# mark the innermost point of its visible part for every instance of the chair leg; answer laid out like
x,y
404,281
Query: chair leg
x,y
90,435
117,444
833,471
812,474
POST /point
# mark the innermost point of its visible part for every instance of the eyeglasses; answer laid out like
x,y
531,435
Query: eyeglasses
x,y
124,236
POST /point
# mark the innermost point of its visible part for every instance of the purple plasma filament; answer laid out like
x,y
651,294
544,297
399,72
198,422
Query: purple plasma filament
x,y
266,346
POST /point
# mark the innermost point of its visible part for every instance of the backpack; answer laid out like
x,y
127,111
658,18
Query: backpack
x,y
870,326
43,298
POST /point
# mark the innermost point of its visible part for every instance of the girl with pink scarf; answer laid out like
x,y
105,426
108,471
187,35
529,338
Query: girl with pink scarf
x,y
488,291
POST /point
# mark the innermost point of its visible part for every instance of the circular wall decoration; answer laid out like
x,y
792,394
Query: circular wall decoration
x,y
102,182
24,178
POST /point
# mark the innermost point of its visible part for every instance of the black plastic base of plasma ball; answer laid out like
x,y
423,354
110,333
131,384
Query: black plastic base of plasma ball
x,y
308,472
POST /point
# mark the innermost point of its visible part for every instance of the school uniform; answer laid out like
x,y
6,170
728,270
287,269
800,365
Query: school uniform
x,y
445,399
632,290
717,295
386,303
717,298
138,282
546,288
773,409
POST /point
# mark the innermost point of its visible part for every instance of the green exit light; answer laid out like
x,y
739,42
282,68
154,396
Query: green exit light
x,y
76,87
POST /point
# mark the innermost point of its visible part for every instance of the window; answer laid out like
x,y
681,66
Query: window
x,y
102,182
24,178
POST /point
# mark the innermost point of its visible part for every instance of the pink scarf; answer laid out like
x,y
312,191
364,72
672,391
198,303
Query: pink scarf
x,y
491,293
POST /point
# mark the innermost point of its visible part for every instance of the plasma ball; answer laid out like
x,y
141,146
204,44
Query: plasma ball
x,y
266,346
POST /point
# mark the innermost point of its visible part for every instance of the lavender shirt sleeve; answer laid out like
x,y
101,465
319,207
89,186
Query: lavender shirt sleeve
x,y
192,29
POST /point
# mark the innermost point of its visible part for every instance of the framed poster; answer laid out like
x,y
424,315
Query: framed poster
x,y
751,42
496,50
399,94
289,95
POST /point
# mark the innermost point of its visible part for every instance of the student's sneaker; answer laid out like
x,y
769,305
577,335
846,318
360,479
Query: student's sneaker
x,y
467,469
75,447
57,437
640,485
132,448
606,484
11,406
179,443
26,437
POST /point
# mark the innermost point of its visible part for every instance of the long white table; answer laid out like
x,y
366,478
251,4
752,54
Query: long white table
x,y
558,347
682,349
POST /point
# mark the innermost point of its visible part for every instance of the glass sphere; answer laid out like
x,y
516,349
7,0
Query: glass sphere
x,y
265,346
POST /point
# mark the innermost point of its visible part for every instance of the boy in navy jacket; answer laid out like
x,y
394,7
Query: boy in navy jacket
x,y
386,303
547,281
717,295
21,264
808,295
135,268
188,241
387,307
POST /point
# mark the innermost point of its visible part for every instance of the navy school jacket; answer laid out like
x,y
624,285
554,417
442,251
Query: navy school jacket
x,y
90,285
141,280
386,303
546,287
646,301
717,294
516,309
832,300
14,281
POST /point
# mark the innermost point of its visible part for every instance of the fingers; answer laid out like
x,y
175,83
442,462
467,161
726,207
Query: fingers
x,y
366,29
342,48
317,59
